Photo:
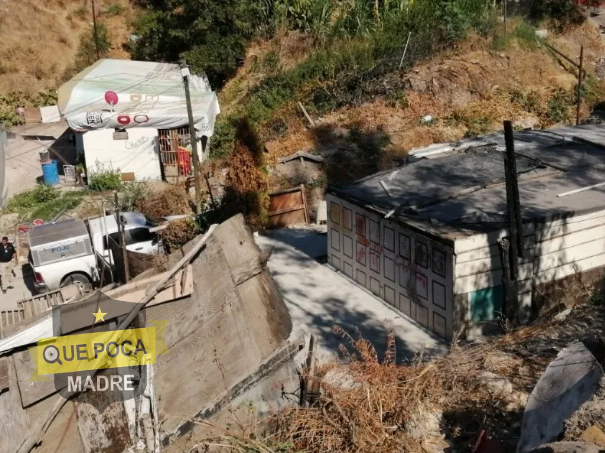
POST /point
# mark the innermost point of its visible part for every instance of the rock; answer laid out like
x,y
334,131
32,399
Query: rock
x,y
340,378
568,382
564,314
425,424
502,388
566,447
594,435
498,385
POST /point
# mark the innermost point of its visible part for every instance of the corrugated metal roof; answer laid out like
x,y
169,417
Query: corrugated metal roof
x,y
461,185
50,233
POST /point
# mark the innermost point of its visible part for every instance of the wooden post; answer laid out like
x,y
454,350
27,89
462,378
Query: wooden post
x,y
512,248
504,2
579,93
405,50
308,372
94,27
510,284
206,177
511,159
122,240
196,160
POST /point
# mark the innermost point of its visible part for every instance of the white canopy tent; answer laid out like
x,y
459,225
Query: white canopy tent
x,y
149,95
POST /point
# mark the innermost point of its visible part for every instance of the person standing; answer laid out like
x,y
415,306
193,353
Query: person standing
x,y
8,261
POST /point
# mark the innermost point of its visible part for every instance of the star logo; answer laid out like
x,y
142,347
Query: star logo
x,y
99,316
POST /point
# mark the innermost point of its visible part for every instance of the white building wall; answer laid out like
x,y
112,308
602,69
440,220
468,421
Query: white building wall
x,y
553,250
408,270
138,154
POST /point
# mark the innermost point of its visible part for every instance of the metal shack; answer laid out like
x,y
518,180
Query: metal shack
x,y
131,116
423,236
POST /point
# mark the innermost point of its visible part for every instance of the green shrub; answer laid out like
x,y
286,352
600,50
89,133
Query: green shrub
x,y
49,210
559,106
562,13
31,198
93,44
103,179
114,9
132,194
43,203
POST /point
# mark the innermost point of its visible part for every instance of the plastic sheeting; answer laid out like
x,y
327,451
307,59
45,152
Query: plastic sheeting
x,y
149,95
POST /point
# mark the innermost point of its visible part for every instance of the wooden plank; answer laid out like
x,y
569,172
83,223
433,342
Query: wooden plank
x,y
570,240
31,392
304,202
490,252
569,255
576,227
552,232
570,269
290,218
488,264
128,177
4,379
33,115
470,283
62,435
100,430
14,421
297,207
484,240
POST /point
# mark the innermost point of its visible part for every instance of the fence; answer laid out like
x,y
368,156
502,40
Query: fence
x,y
176,158
288,207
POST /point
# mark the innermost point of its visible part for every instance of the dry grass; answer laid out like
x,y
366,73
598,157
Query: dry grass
x,y
40,39
376,405
168,199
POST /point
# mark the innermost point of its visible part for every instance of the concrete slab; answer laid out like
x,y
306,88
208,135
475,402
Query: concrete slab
x,y
22,165
23,288
319,298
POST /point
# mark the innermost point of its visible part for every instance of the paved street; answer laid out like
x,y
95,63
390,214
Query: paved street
x,y
319,298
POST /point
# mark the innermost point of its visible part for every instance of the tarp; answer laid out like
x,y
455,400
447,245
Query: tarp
x,y
149,95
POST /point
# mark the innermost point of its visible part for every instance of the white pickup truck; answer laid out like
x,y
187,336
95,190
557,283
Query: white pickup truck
x,y
68,252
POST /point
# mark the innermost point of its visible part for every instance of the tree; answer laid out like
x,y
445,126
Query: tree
x,y
211,35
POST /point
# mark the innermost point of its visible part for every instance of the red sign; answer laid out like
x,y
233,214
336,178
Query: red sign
x,y
124,120
111,97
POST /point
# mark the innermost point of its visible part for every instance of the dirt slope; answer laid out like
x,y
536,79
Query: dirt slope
x,y
467,91
40,38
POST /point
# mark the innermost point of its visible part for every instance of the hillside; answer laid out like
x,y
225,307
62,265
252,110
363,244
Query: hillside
x,y
467,90
41,38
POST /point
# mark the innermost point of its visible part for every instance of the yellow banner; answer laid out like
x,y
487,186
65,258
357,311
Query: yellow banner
x,y
100,350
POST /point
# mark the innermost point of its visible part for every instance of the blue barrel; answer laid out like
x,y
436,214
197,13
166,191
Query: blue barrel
x,y
50,173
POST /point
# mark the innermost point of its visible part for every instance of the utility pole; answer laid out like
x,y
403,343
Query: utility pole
x,y
120,223
579,93
511,248
94,30
196,161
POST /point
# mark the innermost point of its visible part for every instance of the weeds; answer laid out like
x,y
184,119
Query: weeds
x,y
559,106
104,179
42,202
114,9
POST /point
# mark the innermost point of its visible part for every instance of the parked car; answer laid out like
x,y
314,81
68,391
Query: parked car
x,y
70,251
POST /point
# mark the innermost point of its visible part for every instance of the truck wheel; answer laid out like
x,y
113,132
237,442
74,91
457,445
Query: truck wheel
x,y
80,280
